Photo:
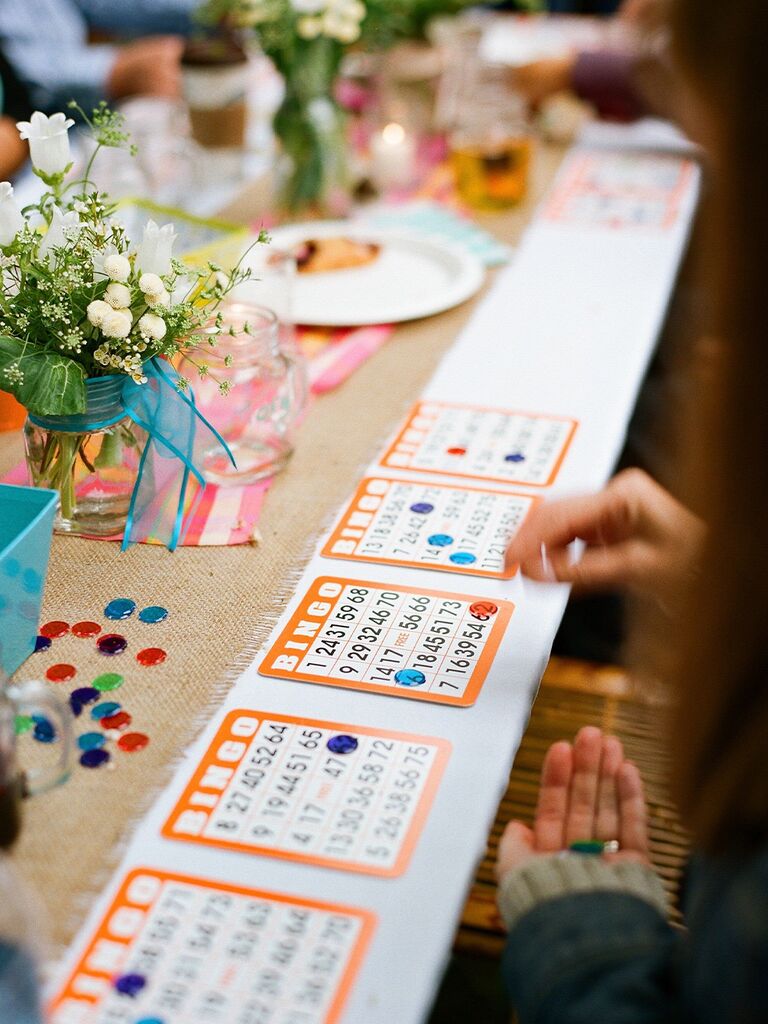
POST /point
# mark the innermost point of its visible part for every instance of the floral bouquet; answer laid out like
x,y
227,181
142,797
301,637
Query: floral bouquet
x,y
306,40
89,326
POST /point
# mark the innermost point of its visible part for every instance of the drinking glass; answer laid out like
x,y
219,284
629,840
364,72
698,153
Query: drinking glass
x,y
27,699
491,142
267,394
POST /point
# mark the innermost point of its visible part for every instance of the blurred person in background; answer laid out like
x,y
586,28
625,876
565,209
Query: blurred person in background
x,y
589,936
47,42
14,106
623,82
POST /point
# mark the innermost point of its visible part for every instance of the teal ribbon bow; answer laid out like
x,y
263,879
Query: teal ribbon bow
x,y
177,436
175,429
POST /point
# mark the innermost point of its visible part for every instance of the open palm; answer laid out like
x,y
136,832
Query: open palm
x,y
588,791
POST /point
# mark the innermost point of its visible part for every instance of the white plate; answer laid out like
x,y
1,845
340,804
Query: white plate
x,y
413,276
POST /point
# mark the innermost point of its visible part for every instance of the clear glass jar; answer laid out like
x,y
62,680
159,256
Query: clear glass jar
x,y
267,395
17,704
91,459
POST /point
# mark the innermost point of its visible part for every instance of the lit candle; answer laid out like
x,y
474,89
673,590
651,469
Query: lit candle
x,y
392,153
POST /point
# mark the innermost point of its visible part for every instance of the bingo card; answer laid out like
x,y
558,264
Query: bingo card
x,y
616,190
173,949
429,526
423,644
341,796
485,444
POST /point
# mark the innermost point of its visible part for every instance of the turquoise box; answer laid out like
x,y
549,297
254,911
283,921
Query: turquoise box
x,y
26,526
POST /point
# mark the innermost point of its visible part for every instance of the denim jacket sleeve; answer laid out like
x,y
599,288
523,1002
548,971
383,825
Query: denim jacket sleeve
x,y
19,998
593,958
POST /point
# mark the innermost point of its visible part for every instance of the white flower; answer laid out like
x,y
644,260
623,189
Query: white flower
x,y
118,295
308,6
163,299
338,26
117,267
62,228
151,285
155,249
117,323
354,9
347,31
309,28
152,326
11,219
48,142
97,311
251,12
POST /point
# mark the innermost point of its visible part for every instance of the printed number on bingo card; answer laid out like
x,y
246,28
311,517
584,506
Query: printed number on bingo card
x,y
429,526
182,950
422,644
342,796
484,444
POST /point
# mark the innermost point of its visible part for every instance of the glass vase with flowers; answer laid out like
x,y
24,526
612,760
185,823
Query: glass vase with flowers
x,y
89,325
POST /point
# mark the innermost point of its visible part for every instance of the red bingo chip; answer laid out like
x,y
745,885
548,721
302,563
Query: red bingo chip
x,y
483,610
120,720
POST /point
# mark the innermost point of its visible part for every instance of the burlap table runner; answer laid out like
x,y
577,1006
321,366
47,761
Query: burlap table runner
x,y
222,603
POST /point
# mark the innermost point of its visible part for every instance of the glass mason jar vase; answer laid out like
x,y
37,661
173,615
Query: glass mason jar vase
x,y
310,127
91,459
268,391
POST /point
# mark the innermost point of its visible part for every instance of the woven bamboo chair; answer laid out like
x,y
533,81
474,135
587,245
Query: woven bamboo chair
x,y
574,694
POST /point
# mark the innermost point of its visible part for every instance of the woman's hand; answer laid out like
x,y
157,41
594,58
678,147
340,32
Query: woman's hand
x,y
587,791
636,534
147,67
541,79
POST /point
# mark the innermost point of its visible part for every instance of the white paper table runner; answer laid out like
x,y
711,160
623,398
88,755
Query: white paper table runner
x,y
568,329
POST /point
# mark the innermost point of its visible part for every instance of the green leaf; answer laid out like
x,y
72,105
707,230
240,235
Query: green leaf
x,y
52,384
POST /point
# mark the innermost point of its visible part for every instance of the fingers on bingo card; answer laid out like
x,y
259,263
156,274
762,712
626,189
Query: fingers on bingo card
x,y
429,526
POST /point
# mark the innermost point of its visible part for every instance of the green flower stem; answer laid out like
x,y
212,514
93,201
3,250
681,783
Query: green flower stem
x,y
69,445
111,451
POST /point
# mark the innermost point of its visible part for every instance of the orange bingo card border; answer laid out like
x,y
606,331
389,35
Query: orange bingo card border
x,y
224,732
460,570
314,597
574,182
367,917
416,411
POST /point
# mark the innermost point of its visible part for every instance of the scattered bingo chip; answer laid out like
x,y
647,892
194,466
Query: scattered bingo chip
x,y
422,644
172,949
342,796
429,526
482,444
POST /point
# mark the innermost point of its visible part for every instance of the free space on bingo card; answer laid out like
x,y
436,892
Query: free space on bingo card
x,y
429,526
173,949
337,795
483,444
423,644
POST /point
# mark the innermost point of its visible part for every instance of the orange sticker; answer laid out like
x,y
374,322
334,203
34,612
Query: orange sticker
x,y
621,190
338,795
422,644
429,526
174,948
482,444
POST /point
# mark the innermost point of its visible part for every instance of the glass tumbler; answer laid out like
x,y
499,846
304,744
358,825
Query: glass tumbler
x,y
491,142
18,705
267,393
